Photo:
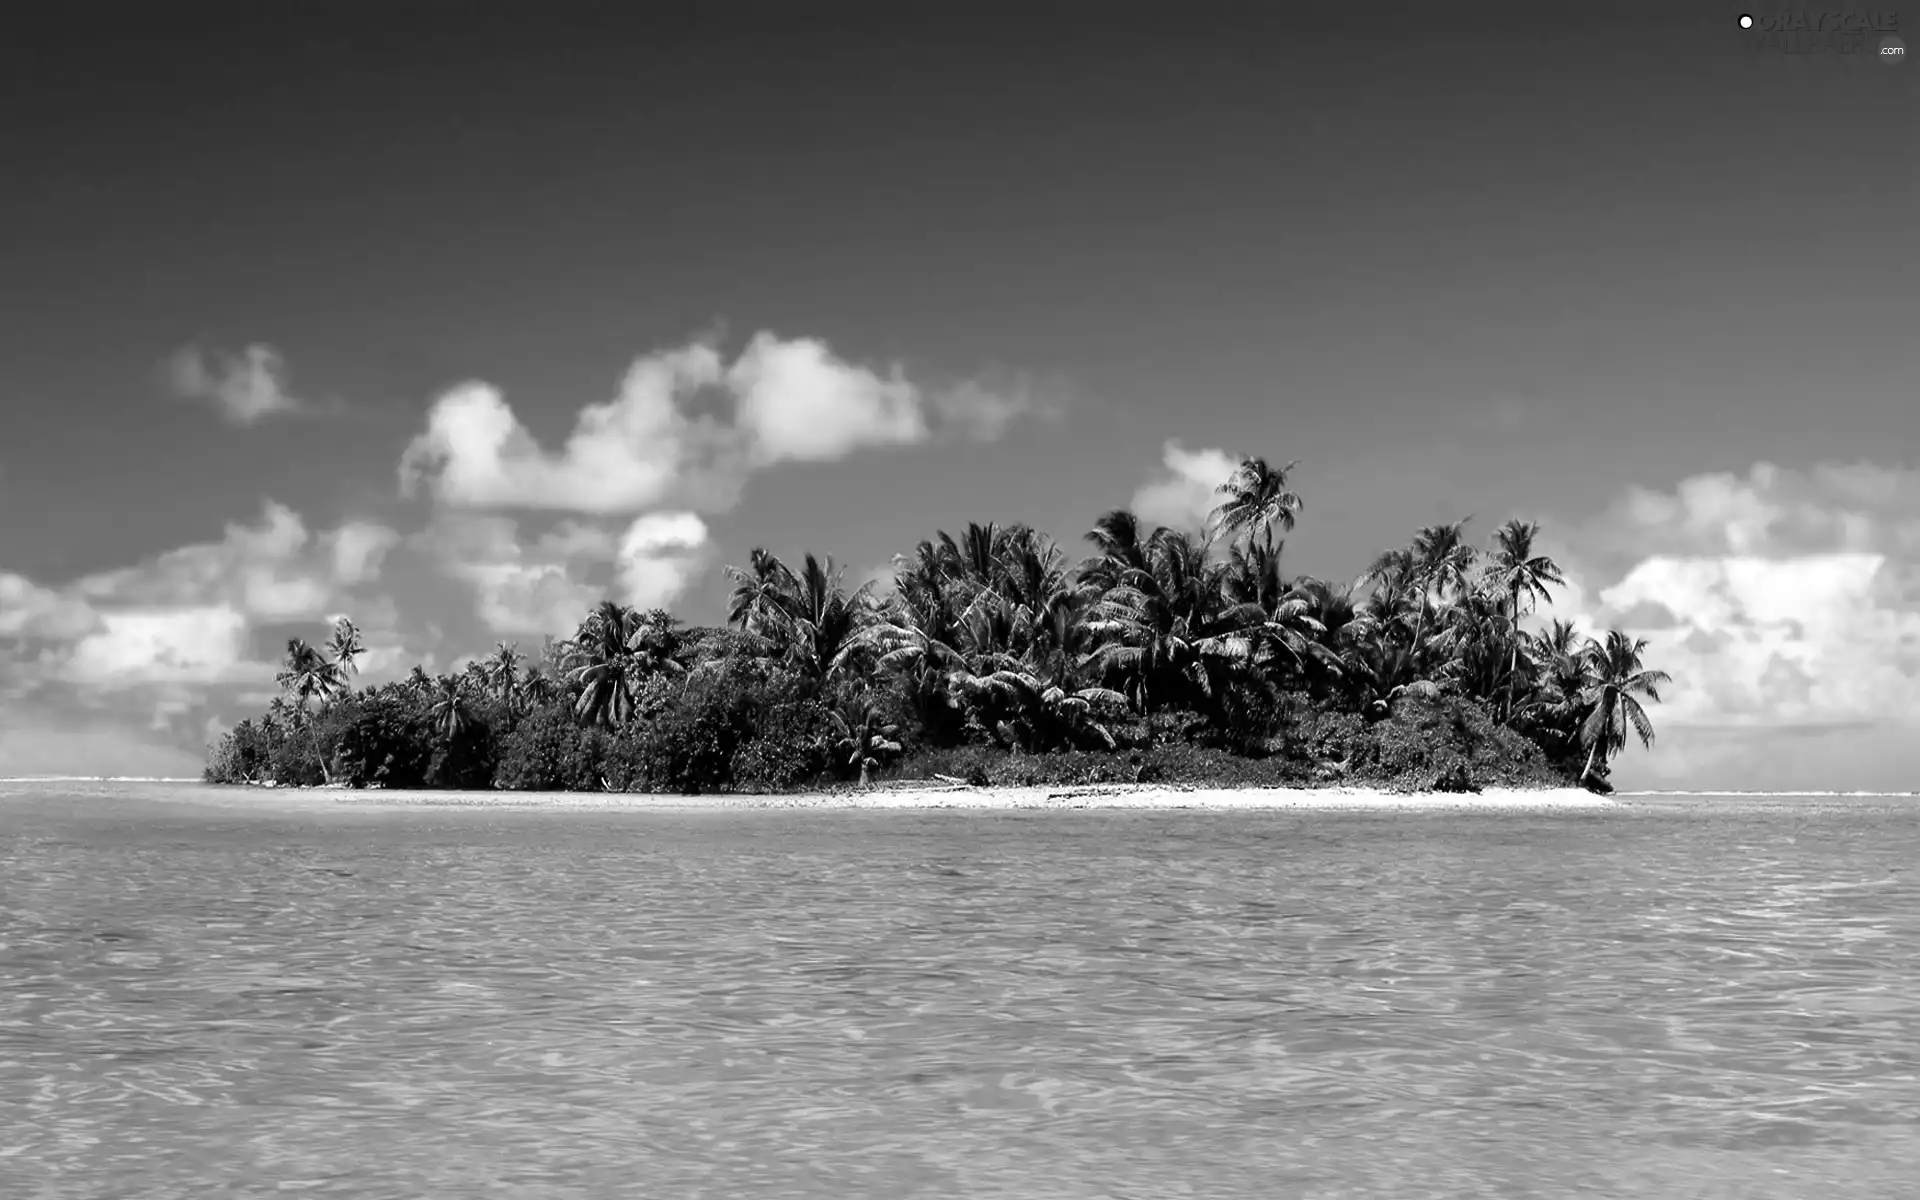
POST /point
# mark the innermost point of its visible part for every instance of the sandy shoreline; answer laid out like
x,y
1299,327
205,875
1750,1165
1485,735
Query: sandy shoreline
x,y
1103,796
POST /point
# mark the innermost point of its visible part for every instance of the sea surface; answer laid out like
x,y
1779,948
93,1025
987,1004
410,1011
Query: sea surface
x,y
203,994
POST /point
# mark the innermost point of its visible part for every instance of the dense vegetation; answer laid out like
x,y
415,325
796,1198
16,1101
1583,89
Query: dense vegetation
x,y
1162,656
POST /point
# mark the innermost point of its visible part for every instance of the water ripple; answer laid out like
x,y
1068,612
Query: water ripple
x,y
1672,1000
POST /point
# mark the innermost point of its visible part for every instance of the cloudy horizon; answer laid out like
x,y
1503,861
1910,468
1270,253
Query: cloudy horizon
x,y
459,343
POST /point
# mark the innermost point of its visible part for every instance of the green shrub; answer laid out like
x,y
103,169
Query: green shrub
x,y
380,743
548,750
244,754
747,724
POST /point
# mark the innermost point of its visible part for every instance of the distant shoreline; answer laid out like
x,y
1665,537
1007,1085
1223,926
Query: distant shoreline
x,y
1041,798
101,779
895,796
916,794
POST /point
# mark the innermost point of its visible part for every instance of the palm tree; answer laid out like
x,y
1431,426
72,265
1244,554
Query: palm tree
x,y
539,687
599,664
1521,575
1620,679
1340,631
1253,575
1441,560
419,682
864,736
1257,499
1123,545
809,618
503,672
346,647
655,645
448,714
306,673
755,599
1167,624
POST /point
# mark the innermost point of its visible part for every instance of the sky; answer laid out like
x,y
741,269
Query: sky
x,y
457,321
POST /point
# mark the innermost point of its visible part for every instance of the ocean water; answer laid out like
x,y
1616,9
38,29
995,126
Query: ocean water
x,y
210,996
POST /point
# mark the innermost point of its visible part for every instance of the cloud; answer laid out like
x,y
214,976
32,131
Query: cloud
x,y
158,645
526,585
28,610
687,428
359,547
1772,512
199,645
1782,601
542,589
797,401
1186,488
658,556
245,389
1804,640
272,571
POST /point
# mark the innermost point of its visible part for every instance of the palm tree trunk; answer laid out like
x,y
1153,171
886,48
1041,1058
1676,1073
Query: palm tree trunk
x,y
1419,630
1513,658
1586,773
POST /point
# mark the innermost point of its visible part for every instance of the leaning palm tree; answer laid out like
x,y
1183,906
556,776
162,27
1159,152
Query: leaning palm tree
x,y
1619,681
1523,577
1258,499
305,674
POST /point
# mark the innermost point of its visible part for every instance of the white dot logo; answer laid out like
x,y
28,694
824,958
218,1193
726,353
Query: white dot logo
x,y
1746,22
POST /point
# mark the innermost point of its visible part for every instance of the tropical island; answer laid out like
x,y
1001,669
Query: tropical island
x,y
1165,656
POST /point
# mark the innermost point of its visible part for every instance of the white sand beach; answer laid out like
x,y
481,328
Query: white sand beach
x,y
1103,796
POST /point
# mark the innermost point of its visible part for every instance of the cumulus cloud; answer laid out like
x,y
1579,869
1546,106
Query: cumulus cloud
x,y
688,428
1771,512
245,389
1186,488
28,610
1780,601
202,644
118,671
659,554
540,589
623,456
275,570
183,621
798,401
527,585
